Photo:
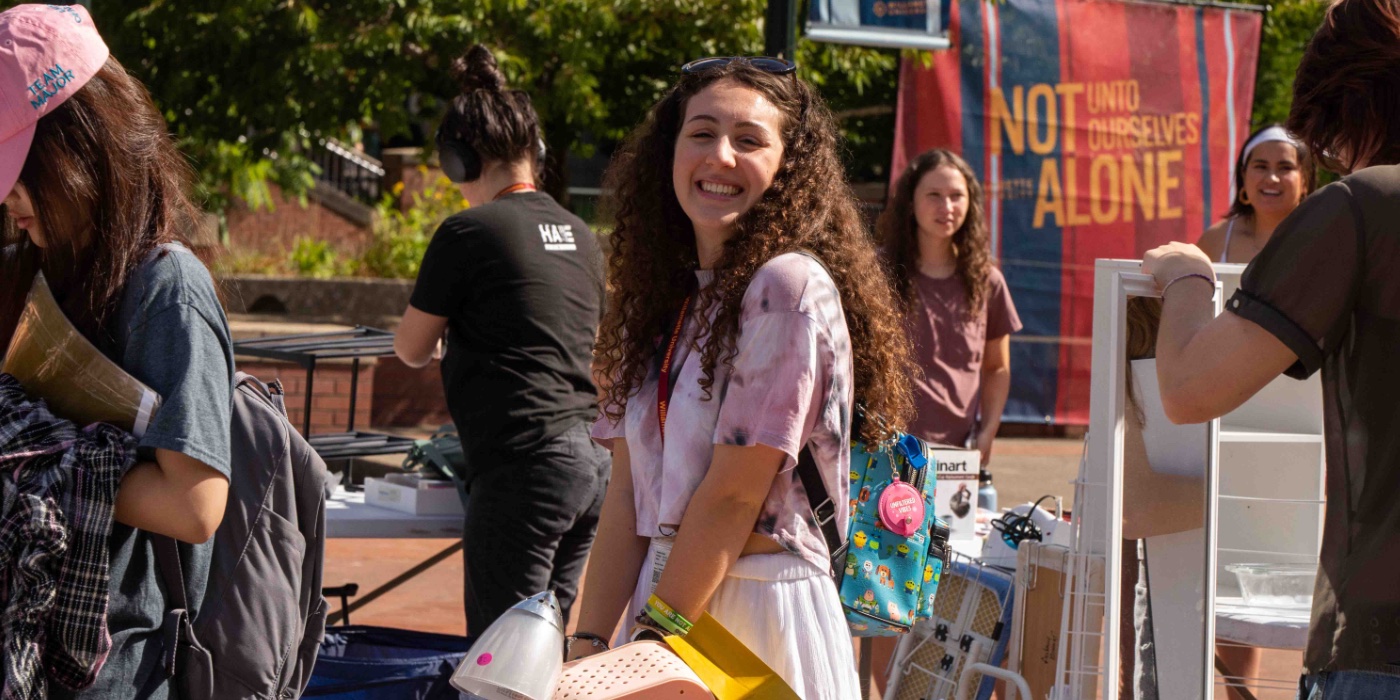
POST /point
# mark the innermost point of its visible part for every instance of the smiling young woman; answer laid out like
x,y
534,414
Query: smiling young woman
x,y
1273,174
748,315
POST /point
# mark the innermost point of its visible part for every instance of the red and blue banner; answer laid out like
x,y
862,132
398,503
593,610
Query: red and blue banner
x,y
1099,129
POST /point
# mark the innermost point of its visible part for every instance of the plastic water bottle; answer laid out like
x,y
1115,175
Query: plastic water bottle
x,y
986,493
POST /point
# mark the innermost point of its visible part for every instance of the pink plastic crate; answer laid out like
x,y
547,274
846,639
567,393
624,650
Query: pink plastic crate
x,y
636,671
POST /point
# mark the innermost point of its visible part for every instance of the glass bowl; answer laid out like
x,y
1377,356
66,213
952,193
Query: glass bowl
x,y
1276,585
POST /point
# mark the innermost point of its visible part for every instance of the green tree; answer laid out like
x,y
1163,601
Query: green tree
x,y
1288,26
249,85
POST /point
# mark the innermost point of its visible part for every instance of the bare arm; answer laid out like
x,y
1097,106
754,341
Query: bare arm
x,y
417,337
717,523
996,386
617,556
1207,365
176,495
1212,242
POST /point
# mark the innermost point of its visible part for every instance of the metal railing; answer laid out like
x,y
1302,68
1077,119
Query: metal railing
x,y
349,171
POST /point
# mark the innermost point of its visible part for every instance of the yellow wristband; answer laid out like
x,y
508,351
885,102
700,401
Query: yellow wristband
x,y
667,617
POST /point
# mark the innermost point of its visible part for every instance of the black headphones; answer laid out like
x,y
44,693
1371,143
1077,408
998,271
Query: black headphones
x,y
461,163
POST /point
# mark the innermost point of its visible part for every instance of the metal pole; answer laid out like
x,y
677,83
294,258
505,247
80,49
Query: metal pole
x,y
780,28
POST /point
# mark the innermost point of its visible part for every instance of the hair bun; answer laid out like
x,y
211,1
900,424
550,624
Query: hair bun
x,y
476,70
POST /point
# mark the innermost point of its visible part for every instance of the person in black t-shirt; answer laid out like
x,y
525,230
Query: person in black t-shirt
x,y
517,283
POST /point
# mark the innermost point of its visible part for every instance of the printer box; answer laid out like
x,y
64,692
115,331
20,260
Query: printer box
x,y
955,496
408,493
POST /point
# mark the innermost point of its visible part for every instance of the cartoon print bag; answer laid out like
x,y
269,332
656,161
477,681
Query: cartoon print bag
x,y
888,567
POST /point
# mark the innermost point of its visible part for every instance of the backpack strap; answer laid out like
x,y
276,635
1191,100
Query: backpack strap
x,y
823,508
167,552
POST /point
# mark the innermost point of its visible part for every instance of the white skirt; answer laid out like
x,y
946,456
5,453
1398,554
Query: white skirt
x,y
787,612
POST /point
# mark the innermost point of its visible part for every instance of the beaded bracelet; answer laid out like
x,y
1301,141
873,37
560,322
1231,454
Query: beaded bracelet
x,y
1189,275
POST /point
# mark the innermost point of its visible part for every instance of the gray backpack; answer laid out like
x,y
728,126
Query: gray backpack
x,y
263,617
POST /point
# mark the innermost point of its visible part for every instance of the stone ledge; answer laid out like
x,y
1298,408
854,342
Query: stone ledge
x,y
350,301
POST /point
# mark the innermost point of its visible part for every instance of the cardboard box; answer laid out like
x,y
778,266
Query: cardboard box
x,y
955,496
409,493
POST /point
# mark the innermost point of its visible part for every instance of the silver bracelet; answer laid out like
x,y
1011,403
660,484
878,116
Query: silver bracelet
x,y
1208,280
597,641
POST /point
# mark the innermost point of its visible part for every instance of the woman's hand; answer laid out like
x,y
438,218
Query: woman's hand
x,y
1173,260
984,445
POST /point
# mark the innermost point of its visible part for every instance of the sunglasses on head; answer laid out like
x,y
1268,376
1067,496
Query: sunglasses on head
x,y
767,64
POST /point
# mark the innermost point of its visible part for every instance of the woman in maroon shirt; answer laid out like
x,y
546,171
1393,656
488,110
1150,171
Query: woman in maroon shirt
x,y
957,308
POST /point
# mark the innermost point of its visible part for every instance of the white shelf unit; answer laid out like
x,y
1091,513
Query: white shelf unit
x,y
1272,463
1263,482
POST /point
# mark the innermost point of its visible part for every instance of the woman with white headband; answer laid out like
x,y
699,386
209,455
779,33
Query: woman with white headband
x,y
1272,175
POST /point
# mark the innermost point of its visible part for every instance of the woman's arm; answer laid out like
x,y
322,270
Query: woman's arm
x,y
1212,242
996,386
616,558
416,340
176,495
717,523
1207,365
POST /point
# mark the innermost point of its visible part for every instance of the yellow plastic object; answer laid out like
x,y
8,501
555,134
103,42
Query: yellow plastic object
x,y
54,362
726,666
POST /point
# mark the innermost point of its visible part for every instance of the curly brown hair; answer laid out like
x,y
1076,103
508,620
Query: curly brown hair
x,y
899,232
809,207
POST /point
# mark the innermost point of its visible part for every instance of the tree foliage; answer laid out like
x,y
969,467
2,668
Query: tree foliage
x,y
249,85
1288,26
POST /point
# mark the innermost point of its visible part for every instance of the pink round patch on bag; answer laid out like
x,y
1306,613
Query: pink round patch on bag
x,y
901,509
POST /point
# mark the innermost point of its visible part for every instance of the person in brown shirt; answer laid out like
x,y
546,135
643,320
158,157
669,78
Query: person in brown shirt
x,y
1322,295
958,311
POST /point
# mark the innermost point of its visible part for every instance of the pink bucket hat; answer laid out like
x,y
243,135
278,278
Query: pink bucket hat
x,y
47,53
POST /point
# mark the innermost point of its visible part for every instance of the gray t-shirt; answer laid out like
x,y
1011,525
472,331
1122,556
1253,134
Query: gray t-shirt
x,y
171,334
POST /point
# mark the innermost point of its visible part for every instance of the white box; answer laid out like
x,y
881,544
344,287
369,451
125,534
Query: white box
x,y
955,496
408,493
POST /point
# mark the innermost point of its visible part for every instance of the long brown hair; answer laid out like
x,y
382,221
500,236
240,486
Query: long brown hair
x,y
108,187
808,207
1344,105
899,232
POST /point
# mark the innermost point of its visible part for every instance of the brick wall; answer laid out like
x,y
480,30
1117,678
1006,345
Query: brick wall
x,y
330,400
273,231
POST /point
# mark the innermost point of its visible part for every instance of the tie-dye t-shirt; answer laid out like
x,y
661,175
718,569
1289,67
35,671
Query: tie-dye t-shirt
x,y
790,386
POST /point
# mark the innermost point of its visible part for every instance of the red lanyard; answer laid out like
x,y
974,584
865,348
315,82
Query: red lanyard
x,y
517,187
663,388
